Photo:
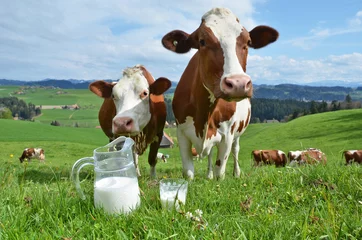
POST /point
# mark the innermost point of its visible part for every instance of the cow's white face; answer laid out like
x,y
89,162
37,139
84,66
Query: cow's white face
x,y
131,98
226,28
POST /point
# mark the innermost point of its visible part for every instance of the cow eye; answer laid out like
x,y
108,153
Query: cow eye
x,y
144,94
202,42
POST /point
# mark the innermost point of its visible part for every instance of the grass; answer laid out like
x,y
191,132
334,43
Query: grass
x,y
39,201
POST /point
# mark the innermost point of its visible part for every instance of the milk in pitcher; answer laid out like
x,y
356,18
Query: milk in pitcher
x,y
117,194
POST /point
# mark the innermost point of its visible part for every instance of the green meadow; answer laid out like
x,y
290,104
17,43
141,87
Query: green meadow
x,y
39,200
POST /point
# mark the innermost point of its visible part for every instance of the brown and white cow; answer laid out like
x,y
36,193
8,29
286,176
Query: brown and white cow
x,y
211,103
163,157
31,153
135,107
308,156
353,156
269,157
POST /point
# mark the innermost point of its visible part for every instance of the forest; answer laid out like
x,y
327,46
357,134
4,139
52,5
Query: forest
x,y
14,107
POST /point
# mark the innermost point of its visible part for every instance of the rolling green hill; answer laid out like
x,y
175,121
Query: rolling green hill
x,y
332,132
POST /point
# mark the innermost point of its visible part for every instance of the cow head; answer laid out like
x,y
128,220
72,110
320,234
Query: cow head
x,y
222,44
131,97
40,152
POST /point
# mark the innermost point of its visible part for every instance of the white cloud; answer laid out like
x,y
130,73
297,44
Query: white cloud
x,y
97,39
347,67
319,34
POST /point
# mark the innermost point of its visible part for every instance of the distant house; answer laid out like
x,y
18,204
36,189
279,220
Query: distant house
x,y
166,141
272,121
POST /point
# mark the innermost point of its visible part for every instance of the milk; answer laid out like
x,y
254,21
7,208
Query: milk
x,y
117,194
168,199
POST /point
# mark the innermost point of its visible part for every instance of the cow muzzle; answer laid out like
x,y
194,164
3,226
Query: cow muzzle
x,y
123,126
237,87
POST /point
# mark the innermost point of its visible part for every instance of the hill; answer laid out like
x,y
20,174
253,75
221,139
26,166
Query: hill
x,y
39,200
332,132
281,91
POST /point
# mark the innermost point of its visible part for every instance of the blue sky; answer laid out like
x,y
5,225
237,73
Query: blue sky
x,y
319,40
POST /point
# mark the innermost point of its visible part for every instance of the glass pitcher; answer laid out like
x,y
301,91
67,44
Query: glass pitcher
x,y
115,185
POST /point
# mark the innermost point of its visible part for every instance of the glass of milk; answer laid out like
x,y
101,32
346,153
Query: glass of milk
x,y
173,193
116,185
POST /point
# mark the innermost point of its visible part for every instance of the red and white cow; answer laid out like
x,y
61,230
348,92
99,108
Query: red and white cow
x,y
308,156
163,157
353,156
211,103
269,157
31,153
135,107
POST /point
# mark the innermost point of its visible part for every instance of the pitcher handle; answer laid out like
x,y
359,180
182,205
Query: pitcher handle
x,y
78,165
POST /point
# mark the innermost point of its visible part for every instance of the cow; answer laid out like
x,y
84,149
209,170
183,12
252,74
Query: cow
x,y
134,107
352,156
308,156
31,153
211,102
163,157
269,157
357,155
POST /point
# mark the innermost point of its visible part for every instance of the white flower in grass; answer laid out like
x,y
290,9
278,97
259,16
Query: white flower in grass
x,y
360,202
198,212
188,215
196,219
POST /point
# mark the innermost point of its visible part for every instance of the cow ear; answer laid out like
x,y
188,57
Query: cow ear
x,y
101,88
177,41
262,36
160,86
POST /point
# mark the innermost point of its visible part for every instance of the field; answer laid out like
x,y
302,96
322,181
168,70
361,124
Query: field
x,y
39,201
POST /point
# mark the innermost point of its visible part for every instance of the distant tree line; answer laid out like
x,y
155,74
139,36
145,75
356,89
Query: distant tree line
x,y
18,108
284,110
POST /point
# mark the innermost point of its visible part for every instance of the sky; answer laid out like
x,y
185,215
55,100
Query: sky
x,y
320,40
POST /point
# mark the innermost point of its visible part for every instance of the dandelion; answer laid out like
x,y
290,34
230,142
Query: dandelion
x,y
198,212
188,215
11,155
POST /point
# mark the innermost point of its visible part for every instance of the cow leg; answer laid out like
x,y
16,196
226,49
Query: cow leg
x,y
235,153
135,157
222,157
210,173
152,156
186,154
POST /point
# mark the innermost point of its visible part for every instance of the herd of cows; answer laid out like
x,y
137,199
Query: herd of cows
x,y
211,102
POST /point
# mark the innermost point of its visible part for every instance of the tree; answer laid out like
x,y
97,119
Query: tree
x,y
5,113
348,99
313,107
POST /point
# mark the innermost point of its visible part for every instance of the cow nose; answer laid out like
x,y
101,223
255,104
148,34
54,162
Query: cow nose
x,y
123,125
237,86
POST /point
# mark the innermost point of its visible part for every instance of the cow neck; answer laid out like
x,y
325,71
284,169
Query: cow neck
x,y
209,112
151,131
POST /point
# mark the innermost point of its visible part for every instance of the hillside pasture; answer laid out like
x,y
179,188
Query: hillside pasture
x,y
48,96
311,202
85,118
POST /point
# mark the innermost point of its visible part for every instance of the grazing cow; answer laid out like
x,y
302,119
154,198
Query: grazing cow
x,y
352,156
211,103
135,107
357,155
308,156
30,153
163,157
269,157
